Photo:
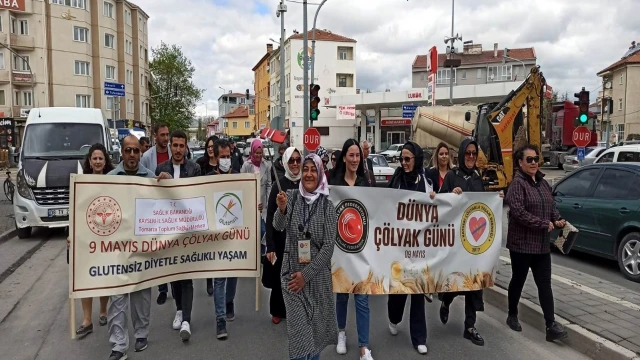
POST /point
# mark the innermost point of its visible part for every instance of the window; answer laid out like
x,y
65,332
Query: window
x,y
235,124
80,4
80,34
342,81
578,184
110,102
27,100
247,124
1,29
108,10
141,80
621,77
288,82
617,184
141,53
2,98
342,54
479,74
127,17
129,76
110,72
128,46
444,75
109,41
463,76
24,27
628,156
620,132
81,68
129,106
20,63
14,25
83,101
606,158
2,61
499,73
252,111
620,104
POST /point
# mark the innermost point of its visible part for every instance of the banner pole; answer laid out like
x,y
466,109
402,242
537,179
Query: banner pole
x,y
72,317
258,293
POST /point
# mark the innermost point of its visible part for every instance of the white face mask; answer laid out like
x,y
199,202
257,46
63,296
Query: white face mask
x,y
224,164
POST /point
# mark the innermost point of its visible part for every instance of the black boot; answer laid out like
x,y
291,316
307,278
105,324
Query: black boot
x,y
556,332
444,313
514,324
210,287
472,334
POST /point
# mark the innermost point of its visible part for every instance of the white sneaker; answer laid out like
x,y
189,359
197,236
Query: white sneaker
x,y
185,331
422,349
393,329
177,321
342,343
367,355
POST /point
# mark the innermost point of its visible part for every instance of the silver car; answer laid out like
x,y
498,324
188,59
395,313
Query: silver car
x,y
571,162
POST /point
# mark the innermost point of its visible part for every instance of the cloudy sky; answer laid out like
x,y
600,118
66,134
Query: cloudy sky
x,y
226,38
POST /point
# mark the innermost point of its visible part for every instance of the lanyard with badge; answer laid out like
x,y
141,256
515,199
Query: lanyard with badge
x,y
304,239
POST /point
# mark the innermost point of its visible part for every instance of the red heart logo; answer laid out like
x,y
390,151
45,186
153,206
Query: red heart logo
x,y
477,225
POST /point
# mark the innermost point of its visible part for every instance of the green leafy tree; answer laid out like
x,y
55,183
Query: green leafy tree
x,y
173,94
201,134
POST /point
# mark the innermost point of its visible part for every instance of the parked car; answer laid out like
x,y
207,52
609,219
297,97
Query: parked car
x,y
392,154
197,154
623,153
571,162
381,170
603,202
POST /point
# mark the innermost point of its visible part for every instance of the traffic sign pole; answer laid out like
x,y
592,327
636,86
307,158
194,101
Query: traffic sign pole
x,y
116,91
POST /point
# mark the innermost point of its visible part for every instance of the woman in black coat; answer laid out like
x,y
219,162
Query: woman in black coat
x,y
291,161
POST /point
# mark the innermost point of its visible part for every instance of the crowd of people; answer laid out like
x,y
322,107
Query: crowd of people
x,y
297,214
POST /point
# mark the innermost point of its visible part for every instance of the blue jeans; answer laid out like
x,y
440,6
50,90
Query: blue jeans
x,y
309,357
224,291
362,315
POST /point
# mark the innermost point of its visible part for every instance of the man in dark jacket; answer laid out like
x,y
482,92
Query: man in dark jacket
x,y
236,156
464,178
277,164
368,163
180,167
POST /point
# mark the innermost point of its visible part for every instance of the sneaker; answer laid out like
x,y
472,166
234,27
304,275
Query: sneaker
x,y
556,332
513,323
367,355
117,355
231,314
422,349
177,321
393,329
341,348
221,329
141,344
185,331
162,298
84,331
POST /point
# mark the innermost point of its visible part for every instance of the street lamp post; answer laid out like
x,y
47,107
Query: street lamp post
x,y
33,93
282,8
313,43
305,81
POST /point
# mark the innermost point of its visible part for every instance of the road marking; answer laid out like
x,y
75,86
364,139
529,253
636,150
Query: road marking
x,y
587,289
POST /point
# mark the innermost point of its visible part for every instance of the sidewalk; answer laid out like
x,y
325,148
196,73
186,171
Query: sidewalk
x,y
606,309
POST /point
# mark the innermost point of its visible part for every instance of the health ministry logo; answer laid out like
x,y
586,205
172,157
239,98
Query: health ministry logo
x,y
104,216
229,211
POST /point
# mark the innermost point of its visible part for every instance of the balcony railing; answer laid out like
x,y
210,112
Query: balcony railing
x,y
22,78
5,76
22,41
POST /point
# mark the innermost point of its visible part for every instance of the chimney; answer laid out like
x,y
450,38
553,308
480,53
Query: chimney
x,y
269,48
495,50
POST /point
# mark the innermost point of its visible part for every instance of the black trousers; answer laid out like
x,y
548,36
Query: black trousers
x,y
540,265
417,316
183,294
276,303
472,299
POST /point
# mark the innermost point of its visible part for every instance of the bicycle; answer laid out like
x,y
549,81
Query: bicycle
x,y
9,187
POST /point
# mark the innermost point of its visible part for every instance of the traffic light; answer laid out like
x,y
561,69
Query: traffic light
x,y
314,100
583,105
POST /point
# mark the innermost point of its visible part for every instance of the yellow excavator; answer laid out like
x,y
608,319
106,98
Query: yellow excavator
x,y
499,130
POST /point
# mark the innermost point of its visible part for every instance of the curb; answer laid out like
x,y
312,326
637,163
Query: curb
x,y
580,339
8,235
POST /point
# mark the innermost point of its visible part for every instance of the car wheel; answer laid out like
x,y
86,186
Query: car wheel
x,y
629,256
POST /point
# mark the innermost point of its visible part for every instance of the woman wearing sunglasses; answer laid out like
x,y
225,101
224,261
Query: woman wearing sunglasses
x,y
291,161
532,216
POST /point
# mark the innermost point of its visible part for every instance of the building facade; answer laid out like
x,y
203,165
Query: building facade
x,y
88,42
335,72
261,89
241,124
621,82
231,101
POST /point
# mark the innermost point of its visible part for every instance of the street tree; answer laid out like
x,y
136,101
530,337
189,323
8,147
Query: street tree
x,y
173,94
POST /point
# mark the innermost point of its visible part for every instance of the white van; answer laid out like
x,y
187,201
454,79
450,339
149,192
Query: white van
x,y
624,153
54,146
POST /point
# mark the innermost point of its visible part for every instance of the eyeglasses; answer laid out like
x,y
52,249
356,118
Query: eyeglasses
x,y
532,159
296,160
132,150
471,153
406,159
210,147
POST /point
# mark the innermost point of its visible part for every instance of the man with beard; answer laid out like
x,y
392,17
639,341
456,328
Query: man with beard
x,y
139,301
182,290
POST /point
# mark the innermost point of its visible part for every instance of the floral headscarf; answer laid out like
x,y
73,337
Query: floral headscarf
x,y
322,187
322,153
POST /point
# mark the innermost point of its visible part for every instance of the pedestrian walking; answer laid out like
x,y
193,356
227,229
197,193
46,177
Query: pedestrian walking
x,y
97,162
440,166
208,161
139,301
368,163
292,162
532,216
258,165
464,178
310,221
180,167
324,156
349,171
236,156
278,164
410,176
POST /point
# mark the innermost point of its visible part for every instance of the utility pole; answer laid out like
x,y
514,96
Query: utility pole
x,y
450,63
313,43
282,8
305,47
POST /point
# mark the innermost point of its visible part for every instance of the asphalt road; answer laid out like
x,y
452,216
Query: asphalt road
x,y
34,313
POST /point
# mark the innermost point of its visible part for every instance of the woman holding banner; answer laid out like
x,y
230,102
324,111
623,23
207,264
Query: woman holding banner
x,y
532,216
310,221
410,177
440,166
464,178
291,162
349,171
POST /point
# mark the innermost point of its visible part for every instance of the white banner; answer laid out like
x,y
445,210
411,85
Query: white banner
x,y
402,242
346,112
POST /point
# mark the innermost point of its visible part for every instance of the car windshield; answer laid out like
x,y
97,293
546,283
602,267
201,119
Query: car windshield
x,y
588,150
60,139
393,147
379,161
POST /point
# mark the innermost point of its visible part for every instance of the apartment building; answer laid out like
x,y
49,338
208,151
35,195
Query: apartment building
x,y
261,87
231,101
60,53
335,72
621,82
242,124
483,76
